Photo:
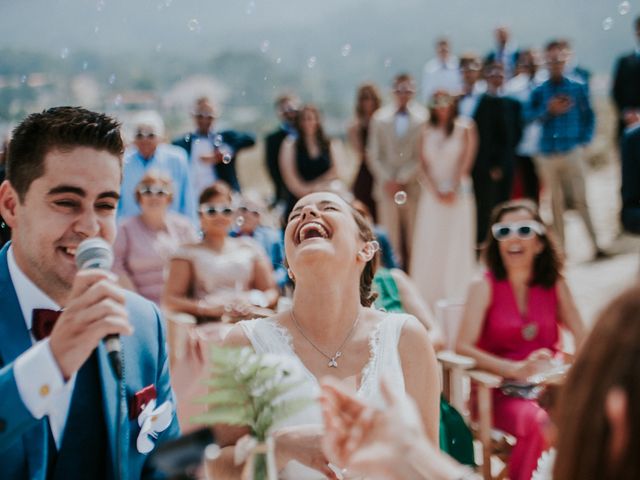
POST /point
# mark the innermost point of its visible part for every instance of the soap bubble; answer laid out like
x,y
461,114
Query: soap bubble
x,y
64,53
239,220
400,198
346,50
264,46
387,62
226,158
624,7
112,79
279,60
607,23
251,7
375,245
311,62
193,25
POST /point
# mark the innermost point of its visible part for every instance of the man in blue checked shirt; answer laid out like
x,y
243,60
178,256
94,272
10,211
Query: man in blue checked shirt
x,y
562,106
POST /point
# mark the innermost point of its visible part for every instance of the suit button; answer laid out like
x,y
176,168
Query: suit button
x,y
3,425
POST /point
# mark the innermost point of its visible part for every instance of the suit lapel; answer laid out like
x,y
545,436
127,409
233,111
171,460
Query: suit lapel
x,y
111,394
14,340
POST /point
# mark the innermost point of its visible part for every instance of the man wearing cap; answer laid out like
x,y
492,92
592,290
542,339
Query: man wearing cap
x,y
211,153
148,153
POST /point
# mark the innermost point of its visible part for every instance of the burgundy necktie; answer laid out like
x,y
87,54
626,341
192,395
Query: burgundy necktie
x,y
43,322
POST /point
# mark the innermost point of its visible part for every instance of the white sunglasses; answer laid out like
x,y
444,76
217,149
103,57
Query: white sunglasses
x,y
524,230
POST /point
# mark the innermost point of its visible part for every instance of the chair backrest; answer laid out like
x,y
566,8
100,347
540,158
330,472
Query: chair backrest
x,y
449,316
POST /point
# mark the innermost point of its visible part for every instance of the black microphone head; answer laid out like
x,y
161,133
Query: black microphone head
x,y
94,253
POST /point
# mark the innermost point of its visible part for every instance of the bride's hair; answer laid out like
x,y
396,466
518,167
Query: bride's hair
x,y
367,295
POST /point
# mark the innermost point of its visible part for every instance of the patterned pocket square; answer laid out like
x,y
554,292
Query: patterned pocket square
x,y
141,399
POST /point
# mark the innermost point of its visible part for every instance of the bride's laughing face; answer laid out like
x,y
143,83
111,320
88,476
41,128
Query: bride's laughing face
x,y
321,231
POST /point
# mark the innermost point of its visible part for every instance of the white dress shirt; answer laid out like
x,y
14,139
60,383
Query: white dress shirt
x,y
439,75
38,378
402,123
202,173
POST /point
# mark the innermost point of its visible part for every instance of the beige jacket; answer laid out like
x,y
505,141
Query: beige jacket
x,y
391,157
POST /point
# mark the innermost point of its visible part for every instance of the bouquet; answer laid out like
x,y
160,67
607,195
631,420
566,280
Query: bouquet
x,y
252,390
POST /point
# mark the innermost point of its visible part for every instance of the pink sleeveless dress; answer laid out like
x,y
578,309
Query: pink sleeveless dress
x,y
508,333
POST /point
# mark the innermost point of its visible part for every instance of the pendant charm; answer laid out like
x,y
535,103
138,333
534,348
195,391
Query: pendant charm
x,y
333,361
530,331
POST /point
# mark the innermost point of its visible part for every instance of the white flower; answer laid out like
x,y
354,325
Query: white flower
x,y
152,422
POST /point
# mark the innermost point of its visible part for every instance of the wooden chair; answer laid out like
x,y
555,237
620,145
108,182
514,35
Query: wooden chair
x,y
458,378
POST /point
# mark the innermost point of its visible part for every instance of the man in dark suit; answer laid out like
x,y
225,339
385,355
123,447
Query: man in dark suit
x,y
514,121
287,109
64,411
626,83
630,214
493,142
205,147
505,52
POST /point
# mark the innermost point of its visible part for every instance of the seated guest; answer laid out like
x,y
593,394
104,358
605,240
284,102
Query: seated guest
x,y
219,276
145,243
268,237
511,322
148,152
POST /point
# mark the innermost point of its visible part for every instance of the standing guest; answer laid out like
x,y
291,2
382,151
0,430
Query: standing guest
x,y
63,411
511,322
493,142
505,51
146,242
573,69
148,153
630,214
368,101
564,110
287,109
212,154
514,119
219,276
331,329
441,72
626,83
444,240
308,160
520,87
269,238
393,152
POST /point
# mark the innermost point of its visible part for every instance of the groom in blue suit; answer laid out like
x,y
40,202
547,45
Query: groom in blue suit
x,y
64,414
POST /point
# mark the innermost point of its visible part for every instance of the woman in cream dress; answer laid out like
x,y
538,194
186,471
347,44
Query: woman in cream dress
x,y
443,261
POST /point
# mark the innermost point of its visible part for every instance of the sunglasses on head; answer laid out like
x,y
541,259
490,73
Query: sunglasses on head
x,y
157,191
246,210
140,135
211,210
523,230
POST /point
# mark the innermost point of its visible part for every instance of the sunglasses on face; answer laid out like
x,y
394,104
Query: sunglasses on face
x,y
156,191
211,210
523,230
141,135
246,210
208,116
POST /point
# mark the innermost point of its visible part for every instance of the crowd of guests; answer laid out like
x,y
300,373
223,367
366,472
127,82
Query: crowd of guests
x,y
445,187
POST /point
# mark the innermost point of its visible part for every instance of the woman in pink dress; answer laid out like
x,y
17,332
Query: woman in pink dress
x,y
511,322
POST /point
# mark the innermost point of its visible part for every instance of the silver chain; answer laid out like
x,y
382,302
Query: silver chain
x,y
333,360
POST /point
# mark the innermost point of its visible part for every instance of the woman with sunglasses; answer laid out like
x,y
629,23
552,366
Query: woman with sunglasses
x,y
146,242
220,276
511,324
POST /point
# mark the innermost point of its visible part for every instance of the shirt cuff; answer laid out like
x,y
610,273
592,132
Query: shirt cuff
x,y
38,378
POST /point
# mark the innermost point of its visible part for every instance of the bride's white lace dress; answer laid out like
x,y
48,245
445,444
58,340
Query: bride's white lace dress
x,y
267,336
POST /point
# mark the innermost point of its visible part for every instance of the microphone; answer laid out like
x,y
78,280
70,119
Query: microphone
x,y
97,253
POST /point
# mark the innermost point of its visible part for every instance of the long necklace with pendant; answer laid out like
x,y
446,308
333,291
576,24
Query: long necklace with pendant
x,y
529,330
333,359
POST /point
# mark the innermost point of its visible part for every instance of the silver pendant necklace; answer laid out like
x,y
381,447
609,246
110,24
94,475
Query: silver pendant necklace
x,y
333,359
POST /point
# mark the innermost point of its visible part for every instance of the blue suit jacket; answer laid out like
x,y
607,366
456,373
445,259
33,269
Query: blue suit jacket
x,y
23,439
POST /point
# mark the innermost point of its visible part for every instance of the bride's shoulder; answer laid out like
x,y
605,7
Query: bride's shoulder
x,y
403,322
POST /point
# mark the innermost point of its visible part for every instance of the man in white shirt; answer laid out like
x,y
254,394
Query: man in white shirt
x,y
394,158
441,72
65,413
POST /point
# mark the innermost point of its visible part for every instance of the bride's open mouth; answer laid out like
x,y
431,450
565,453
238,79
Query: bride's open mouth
x,y
312,230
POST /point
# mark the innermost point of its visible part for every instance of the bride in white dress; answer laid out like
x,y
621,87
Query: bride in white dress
x,y
331,330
